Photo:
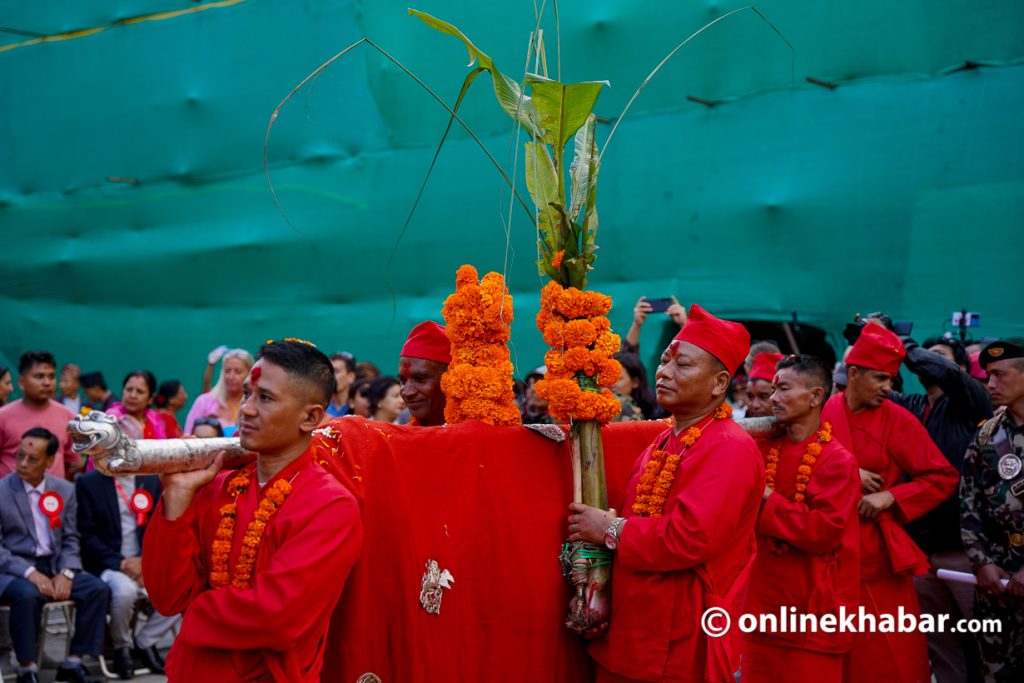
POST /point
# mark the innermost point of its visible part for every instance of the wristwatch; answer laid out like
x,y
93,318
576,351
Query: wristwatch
x,y
611,534
68,574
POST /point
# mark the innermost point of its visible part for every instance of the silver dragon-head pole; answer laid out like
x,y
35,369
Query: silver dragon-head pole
x,y
114,453
760,426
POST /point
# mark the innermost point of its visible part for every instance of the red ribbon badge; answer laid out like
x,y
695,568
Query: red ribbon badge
x,y
52,505
141,503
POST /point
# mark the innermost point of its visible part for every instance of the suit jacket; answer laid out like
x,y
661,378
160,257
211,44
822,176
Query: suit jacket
x,y
18,531
99,519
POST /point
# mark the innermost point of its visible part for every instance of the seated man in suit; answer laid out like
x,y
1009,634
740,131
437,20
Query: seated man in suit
x,y
39,559
112,516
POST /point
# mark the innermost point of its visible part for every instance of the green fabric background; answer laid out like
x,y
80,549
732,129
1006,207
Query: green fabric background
x,y
901,189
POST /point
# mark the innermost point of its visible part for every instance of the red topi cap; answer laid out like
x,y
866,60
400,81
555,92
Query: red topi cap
x,y
877,349
428,341
727,341
764,365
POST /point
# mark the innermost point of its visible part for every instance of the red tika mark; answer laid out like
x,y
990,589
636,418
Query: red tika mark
x,y
254,376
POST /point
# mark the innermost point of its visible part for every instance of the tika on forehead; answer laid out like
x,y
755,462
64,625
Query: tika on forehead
x,y
673,348
254,376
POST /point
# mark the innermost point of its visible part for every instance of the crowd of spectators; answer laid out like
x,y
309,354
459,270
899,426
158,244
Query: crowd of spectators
x,y
33,432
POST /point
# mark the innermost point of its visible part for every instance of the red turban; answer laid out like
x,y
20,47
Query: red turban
x,y
428,341
727,341
764,365
877,349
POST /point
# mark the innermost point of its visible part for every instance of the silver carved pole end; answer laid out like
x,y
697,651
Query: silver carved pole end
x,y
99,436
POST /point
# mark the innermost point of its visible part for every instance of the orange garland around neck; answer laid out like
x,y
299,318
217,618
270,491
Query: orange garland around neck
x,y
271,503
807,462
656,481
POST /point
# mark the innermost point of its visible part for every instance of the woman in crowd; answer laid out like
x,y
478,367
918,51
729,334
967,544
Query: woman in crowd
x,y
633,391
207,428
133,411
170,398
359,398
386,402
224,400
6,387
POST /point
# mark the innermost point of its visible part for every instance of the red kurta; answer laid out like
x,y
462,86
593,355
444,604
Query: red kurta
x,y
276,629
891,442
808,557
670,569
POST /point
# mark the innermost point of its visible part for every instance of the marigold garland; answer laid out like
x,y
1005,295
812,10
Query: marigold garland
x,y
580,367
478,383
807,462
272,501
656,481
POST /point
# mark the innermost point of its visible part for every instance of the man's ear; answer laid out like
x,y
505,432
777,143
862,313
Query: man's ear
x,y
817,396
312,417
722,380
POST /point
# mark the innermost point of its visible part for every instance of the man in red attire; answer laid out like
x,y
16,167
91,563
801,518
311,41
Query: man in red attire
x,y
808,541
903,475
759,384
426,355
257,614
686,544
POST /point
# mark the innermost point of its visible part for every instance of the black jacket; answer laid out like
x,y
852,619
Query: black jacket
x,y
951,422
99,519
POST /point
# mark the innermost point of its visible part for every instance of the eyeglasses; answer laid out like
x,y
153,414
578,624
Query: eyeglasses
x,y
28,459
208,421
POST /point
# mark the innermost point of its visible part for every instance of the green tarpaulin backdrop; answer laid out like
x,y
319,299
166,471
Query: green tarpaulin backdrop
x,y
137,228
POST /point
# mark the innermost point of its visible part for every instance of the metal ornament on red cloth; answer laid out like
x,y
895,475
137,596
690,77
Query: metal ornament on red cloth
x,y
52,505
434,579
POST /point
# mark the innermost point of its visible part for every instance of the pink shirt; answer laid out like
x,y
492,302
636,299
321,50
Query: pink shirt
x,y
18,417
206,405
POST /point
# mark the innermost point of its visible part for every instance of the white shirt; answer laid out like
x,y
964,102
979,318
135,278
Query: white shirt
x,y
44,541
129,540
74,404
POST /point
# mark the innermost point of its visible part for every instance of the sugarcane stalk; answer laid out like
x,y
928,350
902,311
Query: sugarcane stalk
x,y
595,494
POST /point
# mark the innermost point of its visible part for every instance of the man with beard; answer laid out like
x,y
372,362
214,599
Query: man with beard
x,y
807,533
257,558
903,475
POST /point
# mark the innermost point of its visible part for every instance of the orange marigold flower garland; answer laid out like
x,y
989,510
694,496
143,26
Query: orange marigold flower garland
x,y
478,383
580,367
656,481
272,501
807,462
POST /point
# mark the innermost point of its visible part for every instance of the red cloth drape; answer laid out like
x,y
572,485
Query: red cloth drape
x,y
488,504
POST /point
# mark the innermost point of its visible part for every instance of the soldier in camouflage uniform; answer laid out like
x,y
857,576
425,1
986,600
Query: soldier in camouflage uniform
x,y
992,513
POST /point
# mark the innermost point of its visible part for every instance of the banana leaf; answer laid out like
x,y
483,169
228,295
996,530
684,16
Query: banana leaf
x,y
562,108
510,95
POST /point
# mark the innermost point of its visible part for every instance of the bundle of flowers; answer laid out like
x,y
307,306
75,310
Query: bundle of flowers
x,y
478,383
580,367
